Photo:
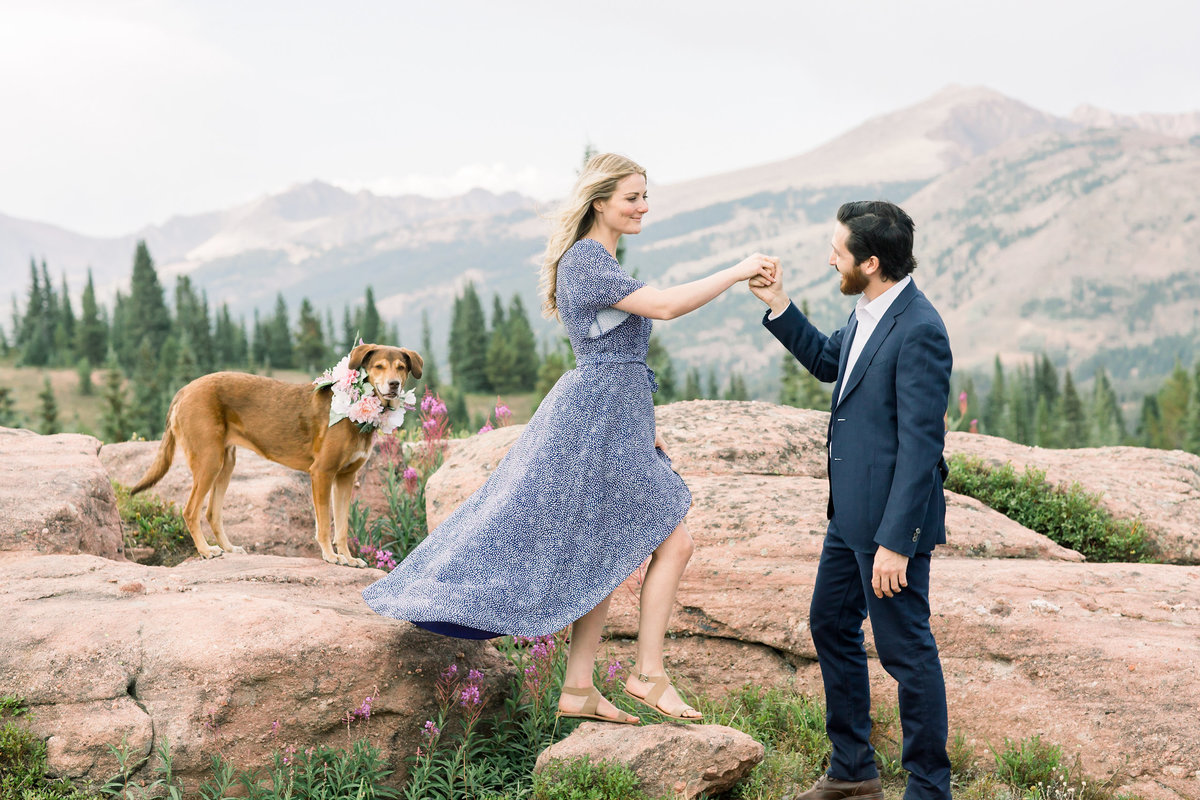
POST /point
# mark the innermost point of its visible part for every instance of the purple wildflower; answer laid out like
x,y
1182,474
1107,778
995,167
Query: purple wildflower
x,y
431,730
468,696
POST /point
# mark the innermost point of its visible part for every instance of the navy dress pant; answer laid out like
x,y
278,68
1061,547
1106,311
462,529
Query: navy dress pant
x,y
842,599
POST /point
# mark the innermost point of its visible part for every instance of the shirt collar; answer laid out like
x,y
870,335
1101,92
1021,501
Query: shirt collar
x,y
875,309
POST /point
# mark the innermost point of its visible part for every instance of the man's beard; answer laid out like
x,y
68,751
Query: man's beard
x,y
855,282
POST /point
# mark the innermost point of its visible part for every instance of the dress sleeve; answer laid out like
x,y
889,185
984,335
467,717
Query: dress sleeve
x,y
597,280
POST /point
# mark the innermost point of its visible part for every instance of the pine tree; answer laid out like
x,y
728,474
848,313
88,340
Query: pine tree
x,y
1045,380
241,343
281,353
712,389
146,411
49,421
52,309
36,335
311,353
260,346
995,420
91,334
691,385
84,370
737,387
523,344
1074,429
1044,428
1149,431
146,314
114,419
1191,441
223,340
64,329
501,359
201,335
370,325
8,409
1020,415
469,342
430,372
1173,407
1108,424
456,409
349,333
187,368
118,332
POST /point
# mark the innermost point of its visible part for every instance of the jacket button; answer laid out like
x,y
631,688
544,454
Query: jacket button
x,y
916,534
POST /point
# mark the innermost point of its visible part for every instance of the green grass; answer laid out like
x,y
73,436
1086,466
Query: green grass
x,y
1066,513
148,521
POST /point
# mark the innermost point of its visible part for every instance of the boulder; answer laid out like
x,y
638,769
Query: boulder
x,y
684,761
55,496
237,655
1094,657
1159,488
268,507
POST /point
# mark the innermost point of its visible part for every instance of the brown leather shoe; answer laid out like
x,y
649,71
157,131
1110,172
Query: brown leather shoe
x,y
826,788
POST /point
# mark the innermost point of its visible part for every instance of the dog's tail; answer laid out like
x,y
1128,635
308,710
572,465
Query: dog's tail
x,y
164,457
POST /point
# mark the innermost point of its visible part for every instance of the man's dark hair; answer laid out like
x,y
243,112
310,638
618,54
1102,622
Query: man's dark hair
x,y
881,229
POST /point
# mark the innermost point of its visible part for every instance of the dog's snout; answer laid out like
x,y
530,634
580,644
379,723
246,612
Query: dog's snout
x,y
394,384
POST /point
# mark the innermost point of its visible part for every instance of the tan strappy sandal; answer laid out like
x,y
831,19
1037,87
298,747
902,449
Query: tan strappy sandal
x,y
659,685
592,705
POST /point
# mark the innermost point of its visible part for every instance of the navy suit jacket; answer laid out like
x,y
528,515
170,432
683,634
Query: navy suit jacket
x,y
886,432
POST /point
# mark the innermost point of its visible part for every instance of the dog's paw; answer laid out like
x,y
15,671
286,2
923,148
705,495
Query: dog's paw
x,y
357,562
211,551
241,551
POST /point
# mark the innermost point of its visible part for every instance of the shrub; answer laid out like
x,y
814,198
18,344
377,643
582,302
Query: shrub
x,y
148,521
23,761
1065,513
583,779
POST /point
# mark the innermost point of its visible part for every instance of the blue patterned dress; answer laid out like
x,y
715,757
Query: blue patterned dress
x,y
579,501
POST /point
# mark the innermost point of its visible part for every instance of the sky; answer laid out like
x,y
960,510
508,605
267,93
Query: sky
x,y
124,113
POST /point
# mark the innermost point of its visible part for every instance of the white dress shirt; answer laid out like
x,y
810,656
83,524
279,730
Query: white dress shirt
x,y
868,314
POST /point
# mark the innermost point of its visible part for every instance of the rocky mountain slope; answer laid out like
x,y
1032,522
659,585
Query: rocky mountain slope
x,y
1036,232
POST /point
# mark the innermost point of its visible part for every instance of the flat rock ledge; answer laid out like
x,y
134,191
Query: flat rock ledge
x,y
239,655
685,761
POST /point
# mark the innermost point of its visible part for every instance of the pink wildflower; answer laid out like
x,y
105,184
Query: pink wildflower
x,y
487,426
468,696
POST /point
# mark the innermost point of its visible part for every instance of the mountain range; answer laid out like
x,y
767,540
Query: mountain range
x,y
1077,236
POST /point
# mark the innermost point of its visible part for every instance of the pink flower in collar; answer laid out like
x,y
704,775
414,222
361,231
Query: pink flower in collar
x,y
367,410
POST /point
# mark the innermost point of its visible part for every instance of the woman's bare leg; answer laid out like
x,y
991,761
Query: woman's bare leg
x,y
658,599
581,660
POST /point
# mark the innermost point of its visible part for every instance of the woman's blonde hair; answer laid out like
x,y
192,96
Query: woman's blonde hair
x,y
575,217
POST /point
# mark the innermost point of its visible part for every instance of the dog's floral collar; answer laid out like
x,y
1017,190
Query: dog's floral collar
x,y
354,398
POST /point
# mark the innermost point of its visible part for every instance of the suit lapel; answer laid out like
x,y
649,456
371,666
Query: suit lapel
x,y
872,346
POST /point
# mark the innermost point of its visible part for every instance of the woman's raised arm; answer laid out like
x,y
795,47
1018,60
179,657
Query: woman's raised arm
x,y
679,300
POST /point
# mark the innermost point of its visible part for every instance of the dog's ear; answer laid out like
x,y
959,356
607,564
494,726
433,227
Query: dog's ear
x,y
360,354
415,362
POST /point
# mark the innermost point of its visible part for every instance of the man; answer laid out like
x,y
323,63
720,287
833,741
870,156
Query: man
x,y
891,364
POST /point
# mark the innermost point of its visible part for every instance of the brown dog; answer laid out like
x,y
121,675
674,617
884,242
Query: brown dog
x,y
285,422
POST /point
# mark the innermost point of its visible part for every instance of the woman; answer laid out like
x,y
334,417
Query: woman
x,y
587,492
